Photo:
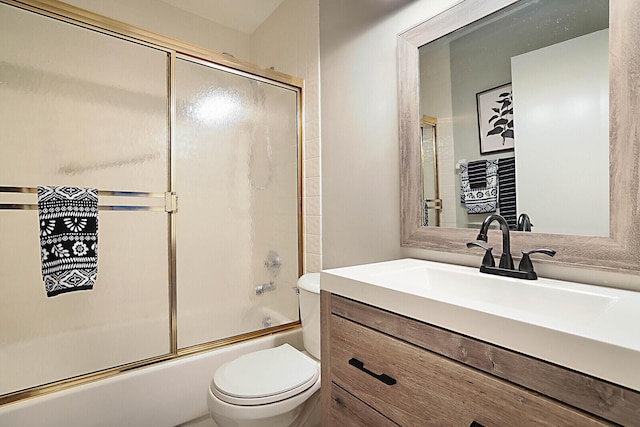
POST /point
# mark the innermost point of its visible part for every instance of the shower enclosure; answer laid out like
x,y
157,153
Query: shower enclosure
x,y
197,160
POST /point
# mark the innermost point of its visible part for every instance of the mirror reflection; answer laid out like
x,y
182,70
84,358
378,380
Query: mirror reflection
x,y
515,114
430,182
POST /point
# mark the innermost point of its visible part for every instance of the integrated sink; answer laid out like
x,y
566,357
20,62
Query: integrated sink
x,y
543,300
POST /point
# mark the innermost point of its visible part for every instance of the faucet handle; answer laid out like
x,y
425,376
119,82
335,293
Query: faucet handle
x,y
549,252
525,262
487,260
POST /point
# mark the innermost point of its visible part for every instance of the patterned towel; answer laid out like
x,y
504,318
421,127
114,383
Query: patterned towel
x,y
507,191
480,200
477,171
68,238
425,220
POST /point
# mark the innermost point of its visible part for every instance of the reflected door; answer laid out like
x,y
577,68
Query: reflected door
x,y
430,185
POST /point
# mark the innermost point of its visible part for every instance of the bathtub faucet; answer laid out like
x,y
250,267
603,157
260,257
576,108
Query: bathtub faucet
x,y
265,287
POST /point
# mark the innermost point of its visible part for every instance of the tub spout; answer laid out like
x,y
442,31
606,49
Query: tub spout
x,y
265,287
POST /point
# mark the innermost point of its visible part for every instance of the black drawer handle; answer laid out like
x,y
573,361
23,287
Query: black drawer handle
x,y
476,424
380,377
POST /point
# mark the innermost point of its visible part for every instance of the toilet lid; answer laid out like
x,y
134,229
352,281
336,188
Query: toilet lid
x,y
265,376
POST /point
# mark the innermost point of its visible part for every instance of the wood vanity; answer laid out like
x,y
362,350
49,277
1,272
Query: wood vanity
x,y
381,368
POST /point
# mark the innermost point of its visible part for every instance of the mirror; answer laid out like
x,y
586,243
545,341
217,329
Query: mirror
x,y
620,248
549,61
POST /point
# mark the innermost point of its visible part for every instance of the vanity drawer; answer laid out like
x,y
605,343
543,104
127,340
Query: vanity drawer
x,y
347,411
430,390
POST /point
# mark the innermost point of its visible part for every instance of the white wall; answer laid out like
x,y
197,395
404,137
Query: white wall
x,y
360,164
551,127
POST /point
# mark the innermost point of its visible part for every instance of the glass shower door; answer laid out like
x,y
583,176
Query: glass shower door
x,y
80,108
236,174
82,104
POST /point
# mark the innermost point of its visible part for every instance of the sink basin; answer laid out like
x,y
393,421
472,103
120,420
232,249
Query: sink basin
x,y
514,298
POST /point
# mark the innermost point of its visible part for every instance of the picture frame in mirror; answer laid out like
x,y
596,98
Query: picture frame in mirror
x,y
495,119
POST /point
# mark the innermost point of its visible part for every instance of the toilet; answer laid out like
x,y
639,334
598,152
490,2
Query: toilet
x,y
276,387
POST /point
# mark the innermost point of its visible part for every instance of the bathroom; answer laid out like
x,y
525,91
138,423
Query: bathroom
x,y
346,53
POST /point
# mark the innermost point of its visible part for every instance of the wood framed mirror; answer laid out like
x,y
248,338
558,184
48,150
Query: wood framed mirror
x,y
620,251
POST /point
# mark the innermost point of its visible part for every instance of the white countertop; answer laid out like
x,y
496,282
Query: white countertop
x,y
591,329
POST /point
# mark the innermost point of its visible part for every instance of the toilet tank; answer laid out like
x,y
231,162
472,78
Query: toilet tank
x,y
309,296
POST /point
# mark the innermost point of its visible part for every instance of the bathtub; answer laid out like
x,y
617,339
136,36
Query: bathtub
x,y
166,394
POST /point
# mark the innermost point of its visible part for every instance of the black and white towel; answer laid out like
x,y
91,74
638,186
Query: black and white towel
x,y
425,220
464,180
477,171
484,199
68,238
507,191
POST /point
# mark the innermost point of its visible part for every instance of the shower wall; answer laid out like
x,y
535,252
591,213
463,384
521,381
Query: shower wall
x,y
82,108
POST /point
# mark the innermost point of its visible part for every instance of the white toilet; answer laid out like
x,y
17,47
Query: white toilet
x,y
276,387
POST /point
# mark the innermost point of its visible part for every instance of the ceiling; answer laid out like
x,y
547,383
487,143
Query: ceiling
x,y
241,15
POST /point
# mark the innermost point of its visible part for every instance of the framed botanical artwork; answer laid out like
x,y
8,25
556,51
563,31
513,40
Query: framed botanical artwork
x,y
495,119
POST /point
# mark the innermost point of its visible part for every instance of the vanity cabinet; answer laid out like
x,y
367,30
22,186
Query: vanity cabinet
x,y
380,368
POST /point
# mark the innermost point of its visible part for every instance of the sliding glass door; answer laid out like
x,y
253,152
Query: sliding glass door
x,y
236,176
197,167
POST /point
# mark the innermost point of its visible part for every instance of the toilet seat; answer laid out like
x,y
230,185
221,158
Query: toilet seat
x,y
265,376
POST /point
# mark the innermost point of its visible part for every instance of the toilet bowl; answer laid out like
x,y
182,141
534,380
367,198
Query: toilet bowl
x,y
275,387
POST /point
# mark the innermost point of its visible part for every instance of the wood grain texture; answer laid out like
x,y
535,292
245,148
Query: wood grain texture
x,y
348,411
432,390
620,251
325,356
609,401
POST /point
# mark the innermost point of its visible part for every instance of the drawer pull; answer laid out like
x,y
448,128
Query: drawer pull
x,y
476,424
380,377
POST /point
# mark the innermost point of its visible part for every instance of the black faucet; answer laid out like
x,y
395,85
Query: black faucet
x,y
506,261
505,268
524,222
